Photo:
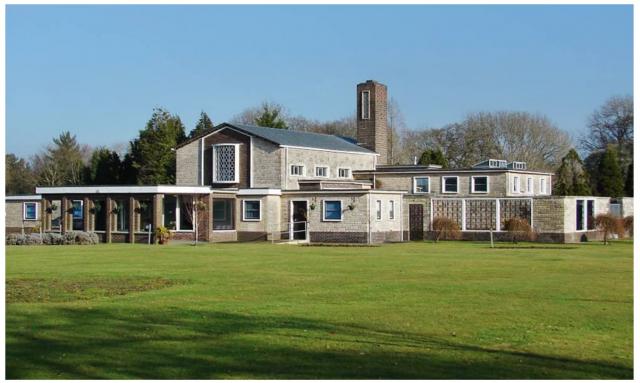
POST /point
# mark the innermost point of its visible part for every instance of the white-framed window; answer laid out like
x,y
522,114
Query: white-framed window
x,y
251,210
366,105
421,185
378,210
344,173
392,209
450,184
322,171
515,184
530,185
297,170
225,163
479,184
543,185
177,212
30,211
332,210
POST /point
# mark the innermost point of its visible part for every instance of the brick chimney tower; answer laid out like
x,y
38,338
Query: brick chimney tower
x,y
372,131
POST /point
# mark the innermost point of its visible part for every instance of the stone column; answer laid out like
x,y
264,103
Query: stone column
x,y
132,219
64,215
86,215
45,217
109,219
156,219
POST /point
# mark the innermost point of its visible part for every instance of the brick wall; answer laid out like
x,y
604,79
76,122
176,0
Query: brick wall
x,y
372,133
188,164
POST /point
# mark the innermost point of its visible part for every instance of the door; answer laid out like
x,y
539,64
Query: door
x,y
416,228
299,219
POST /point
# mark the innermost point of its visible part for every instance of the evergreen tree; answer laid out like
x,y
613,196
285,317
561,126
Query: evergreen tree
x,y
571,176
628,184
19,177
433,157
128,173
610,182
271,117
62,163
104,168
153,152
204,124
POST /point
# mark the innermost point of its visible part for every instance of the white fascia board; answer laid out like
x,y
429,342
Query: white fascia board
x,y
345,191
23,197
156,189
244,192
329,150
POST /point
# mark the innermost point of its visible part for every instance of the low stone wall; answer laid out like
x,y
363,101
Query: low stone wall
x,y
338,237
249,236
224,236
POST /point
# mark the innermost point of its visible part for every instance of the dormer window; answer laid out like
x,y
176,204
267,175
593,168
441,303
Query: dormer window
x,y
225,163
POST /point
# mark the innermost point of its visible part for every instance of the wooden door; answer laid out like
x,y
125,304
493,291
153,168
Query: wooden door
x,y
416,223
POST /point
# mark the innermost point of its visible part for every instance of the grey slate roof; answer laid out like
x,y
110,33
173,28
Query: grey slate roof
x,y
293,138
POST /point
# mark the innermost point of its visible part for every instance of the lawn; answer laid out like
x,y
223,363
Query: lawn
x,y
410,310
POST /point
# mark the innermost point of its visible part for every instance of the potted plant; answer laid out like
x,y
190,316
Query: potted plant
x,y
312,206
163,235
351,206
52,208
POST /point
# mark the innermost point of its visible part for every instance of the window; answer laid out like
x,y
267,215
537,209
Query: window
x,y
543,185
590,222
251,210
332,211
421,185
297,170
579,215
366,105
30,211
322,171
515,187
450,184
392,209
479,184
225,163
529,185
185,206
169,212
99,215
77,214
145,210
378,210
344,173
121,209
223,214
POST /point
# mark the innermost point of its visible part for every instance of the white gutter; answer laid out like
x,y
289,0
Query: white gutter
x,y
23,197
104,189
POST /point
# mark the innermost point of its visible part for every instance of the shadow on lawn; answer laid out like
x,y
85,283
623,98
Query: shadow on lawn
x,y
185,344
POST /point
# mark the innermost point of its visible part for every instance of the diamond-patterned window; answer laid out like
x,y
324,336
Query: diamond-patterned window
x,y
225,163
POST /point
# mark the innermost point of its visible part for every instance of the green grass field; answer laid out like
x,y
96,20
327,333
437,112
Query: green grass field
x,y
411,310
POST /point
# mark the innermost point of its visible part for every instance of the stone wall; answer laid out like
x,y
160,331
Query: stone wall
x,y
522,177
267,164
188,159
373,132
627,206
333,160
404,182
14,222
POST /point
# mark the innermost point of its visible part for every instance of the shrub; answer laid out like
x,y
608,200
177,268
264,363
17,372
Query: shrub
x,y
35,229
51,239
609,224
24,239
163,235
86,238
628,225
445,228
69,238
519,229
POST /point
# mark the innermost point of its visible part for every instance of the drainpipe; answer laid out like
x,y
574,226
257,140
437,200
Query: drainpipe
x,y
369,220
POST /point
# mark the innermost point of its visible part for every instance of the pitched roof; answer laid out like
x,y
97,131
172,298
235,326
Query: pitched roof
x,y
293,138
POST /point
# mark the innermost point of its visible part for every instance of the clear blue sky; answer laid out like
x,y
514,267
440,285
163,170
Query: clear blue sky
x,y
98,71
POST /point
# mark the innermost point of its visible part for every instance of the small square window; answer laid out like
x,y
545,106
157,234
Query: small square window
x,y
30,211
251,210
480,184
344,173
421,185
322,171
450,184
332,210
297,170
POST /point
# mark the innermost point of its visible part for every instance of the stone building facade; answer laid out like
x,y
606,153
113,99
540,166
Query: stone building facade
x,y
239,182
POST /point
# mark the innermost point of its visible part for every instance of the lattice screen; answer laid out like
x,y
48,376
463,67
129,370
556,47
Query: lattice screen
x,y
480,214
512,208
451,209
225,163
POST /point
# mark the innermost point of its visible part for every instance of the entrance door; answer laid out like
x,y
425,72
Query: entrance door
x,y
299,219
416,228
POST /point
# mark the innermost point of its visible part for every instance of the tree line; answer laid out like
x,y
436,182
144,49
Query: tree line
x,y
607,147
